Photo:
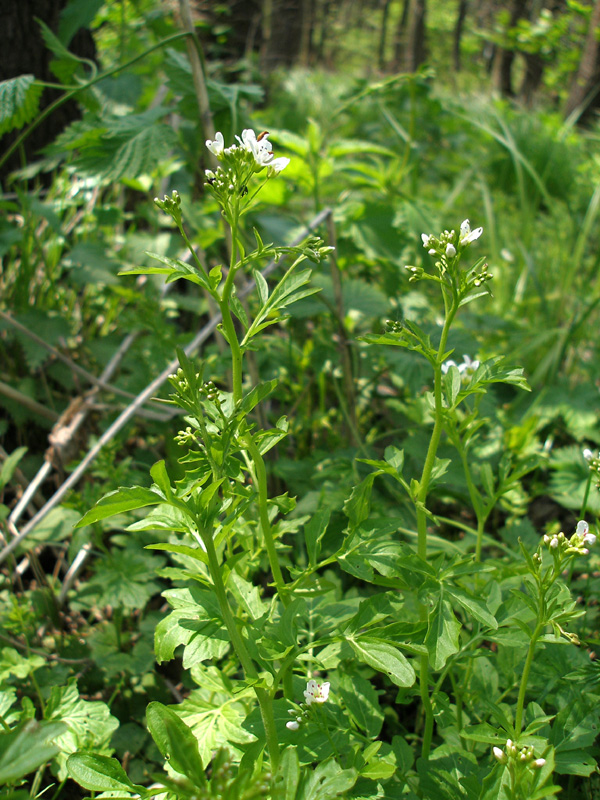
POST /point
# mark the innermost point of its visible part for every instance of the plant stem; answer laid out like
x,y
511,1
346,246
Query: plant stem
x,y
263,511
524,678
236,351
264,698
422,518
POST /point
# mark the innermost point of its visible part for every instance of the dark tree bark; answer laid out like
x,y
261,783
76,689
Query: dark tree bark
x,y
307,26
385,14
534,72
584,96
282,33
22,51
503,58
399,39
416,49
458,29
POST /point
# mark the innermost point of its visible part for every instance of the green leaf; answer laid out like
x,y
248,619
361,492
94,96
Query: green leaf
x,y
176,742
360,698
99,773
442,634
261,285
314,530
358,505
174,269
19,102
327,781
119,501
9,466
385,658
288,775
473,605
184,550
27,747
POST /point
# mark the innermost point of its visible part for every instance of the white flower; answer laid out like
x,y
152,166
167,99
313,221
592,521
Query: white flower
x,y
539,763
466,368
468,365
499,755
467,235
450,250
583,530
553,543
259,147
316,692
216,147
425,237
277,165
587,454
292,725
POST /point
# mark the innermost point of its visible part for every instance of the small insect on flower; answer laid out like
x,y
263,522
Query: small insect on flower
x,y
262,135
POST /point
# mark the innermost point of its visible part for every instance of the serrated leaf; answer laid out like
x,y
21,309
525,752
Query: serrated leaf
x,y
19,102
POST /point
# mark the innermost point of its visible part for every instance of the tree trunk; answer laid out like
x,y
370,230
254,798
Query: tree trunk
x,y
22,52
415,50
458,29
584,96
503,57
307,23
399,39
385,14
534,71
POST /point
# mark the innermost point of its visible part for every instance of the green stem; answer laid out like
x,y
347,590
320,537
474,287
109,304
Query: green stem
x,y
236,351
586,496
35,786
525,677
264,698
263,512
422,517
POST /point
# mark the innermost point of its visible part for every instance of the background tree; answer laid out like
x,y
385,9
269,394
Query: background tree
x,y
584,96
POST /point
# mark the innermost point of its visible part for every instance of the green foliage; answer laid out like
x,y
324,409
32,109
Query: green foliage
x,y
362,589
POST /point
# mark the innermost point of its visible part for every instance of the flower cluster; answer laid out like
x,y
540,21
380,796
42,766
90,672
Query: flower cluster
x,y
448,248
239,162
314,693
559,545
466,368
593,463
449,243
522,755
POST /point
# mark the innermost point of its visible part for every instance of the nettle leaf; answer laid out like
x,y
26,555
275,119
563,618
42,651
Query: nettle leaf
x,y
385,658
118,147
19,102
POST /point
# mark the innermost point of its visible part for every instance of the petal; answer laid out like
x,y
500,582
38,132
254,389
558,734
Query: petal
x,y
465,229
